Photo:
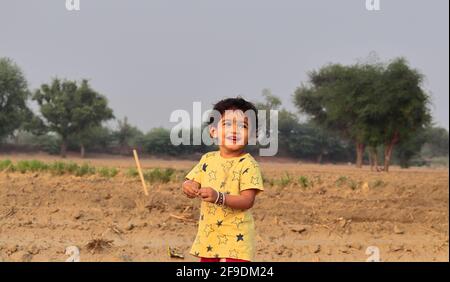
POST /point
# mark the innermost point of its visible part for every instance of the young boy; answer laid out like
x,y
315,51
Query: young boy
x,y
227,181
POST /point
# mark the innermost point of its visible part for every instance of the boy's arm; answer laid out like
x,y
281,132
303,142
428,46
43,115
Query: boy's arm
x,y
244,201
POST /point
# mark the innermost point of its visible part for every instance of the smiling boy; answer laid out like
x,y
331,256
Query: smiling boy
x,y
227,181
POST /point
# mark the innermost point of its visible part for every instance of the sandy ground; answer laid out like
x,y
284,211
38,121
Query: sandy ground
x,y
404,213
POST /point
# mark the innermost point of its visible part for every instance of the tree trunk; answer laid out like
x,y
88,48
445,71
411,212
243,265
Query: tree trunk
x,y
63,151
387,156
359,154
123,149
373,158
319,158
16,138
388,151
82,151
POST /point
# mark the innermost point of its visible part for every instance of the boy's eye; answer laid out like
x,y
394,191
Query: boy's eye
x,y
242,125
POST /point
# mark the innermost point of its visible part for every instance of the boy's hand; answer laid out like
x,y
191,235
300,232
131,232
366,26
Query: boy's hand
x,y
208,194
191,188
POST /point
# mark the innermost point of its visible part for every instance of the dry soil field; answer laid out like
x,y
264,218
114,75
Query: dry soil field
x,y
339,213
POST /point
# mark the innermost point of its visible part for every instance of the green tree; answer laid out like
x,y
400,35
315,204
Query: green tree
x,y
309,141
436,144
401,107
332,98
371,104
70,109
13,98
409,148
95,137
157,142
126,135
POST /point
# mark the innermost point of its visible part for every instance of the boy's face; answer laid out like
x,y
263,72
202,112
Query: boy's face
x,y
231,130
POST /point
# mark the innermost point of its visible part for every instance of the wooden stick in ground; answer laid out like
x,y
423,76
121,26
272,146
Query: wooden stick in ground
x,y
138,165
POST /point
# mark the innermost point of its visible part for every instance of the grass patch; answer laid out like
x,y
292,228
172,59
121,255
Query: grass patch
x,y
55,168
353,184
155,175
304,182
377,183
285,180
132,172
341,181
85,169
108,172
267,180
5,164
159,175
347,182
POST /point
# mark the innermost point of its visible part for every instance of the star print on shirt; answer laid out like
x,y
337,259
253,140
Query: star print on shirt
x,y
205,165
212,175
208,229
198,170
216,255
255,180
222,239
226,211
212,209
235,175
227,165
238,221
209,248
233,253
239,237
196,254
219,223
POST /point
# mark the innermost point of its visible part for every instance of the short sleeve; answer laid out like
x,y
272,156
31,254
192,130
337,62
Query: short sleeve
x,y
196,173
251,177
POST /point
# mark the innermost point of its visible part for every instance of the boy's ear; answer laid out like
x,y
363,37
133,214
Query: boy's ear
x,y
213,131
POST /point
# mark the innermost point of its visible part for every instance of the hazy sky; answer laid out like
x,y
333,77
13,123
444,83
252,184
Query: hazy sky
x,y
152,57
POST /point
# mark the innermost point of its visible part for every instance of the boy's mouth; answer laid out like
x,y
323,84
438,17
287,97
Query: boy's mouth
x,y
233,139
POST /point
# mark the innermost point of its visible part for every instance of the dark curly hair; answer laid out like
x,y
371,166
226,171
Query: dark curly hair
x,y
237,103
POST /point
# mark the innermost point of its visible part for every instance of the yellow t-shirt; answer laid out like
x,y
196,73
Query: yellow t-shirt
x,y
224,232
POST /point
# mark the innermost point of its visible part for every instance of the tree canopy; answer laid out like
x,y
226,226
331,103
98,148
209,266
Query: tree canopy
x,y
69,108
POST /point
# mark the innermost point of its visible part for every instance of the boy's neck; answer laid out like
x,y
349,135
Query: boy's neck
x,y
224,153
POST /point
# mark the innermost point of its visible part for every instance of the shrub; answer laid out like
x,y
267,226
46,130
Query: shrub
x,y
35,165
108,172
57,168
341,181
378,183
22,166
285,180
303,181
85,169
159,175
6,164
132,172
